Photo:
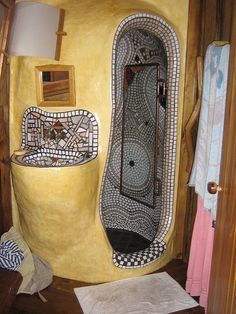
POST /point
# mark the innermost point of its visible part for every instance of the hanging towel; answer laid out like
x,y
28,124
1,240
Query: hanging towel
x,y
206,166
199,266
10,255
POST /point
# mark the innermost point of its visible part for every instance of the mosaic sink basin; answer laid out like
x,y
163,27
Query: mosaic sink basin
x,y
58,139
51,158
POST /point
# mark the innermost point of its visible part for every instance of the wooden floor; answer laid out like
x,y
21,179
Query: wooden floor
x,y
62,300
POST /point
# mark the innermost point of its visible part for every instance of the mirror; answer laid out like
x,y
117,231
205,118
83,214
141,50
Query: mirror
x,y
55,85
143,95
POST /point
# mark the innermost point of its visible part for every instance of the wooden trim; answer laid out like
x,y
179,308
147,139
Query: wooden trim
x,y
190,95
5,196
5,181
4,32
226,16
60,33
188,130
211,23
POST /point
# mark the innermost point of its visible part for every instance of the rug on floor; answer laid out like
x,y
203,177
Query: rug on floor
x,y
156,293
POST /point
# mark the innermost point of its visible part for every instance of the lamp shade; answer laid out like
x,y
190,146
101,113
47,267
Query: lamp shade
x,y
33,31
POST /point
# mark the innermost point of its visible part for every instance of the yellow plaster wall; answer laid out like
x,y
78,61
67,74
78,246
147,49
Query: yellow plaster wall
x,y
90,27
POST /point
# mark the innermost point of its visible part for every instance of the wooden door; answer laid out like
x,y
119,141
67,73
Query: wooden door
x,y
222,294
209,20
212,20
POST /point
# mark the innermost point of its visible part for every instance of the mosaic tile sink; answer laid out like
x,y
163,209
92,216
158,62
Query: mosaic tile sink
x,y
57,139
52,158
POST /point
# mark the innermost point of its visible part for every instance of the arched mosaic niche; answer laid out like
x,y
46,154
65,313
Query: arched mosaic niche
x,y
141,39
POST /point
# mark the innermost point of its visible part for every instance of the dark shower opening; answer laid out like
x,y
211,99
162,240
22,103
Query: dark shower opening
x,y
126,241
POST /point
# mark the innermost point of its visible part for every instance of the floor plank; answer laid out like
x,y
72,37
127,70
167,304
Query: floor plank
x,y
62,300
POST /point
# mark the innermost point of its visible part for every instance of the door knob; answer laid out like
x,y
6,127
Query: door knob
x,y
213,187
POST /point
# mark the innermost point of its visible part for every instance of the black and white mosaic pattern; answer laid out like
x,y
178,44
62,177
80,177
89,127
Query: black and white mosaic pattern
x,y
140,258
142,39
140,134
58,139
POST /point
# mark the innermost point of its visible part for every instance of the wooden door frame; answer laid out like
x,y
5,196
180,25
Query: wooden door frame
x,y
5,181
4,31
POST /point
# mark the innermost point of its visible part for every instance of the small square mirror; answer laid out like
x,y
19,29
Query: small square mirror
x,y
55,85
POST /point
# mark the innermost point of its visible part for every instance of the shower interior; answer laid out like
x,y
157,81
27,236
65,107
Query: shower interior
x,y
132,198
144,103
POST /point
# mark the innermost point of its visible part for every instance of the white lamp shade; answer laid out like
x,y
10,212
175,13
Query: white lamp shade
x,y
33,30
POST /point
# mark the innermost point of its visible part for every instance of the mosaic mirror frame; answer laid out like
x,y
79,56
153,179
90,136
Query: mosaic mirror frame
x,y
63,89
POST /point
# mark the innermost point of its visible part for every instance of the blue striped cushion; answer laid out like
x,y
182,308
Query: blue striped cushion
x,y
10,255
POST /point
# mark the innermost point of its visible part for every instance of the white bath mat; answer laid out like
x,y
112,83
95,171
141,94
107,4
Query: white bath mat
x,y
155,293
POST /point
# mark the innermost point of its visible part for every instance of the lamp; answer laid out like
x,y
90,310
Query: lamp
x,y
36,30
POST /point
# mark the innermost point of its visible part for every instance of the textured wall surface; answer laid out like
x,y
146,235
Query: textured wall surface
x,y
75,242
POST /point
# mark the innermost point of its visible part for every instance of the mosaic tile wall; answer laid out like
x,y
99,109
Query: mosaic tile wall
x,y
143,133
119,211
58,139
142,38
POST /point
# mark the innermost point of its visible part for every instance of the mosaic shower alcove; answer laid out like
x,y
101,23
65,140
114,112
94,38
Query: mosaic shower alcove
x,y
136,201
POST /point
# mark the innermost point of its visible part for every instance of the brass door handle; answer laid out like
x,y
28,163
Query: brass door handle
x,y
213,187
